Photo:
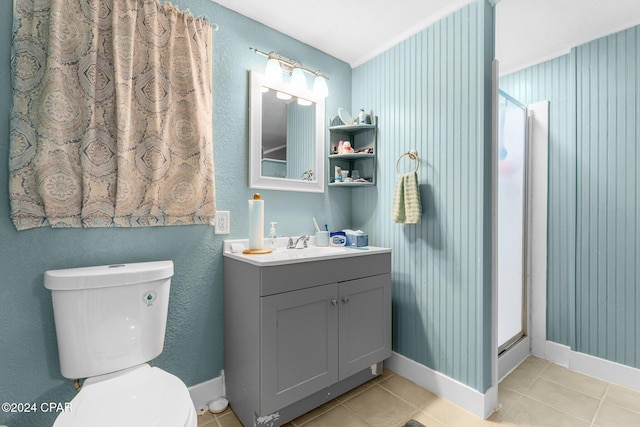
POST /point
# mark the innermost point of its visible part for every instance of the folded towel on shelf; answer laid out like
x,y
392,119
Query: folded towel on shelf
x,y
407,208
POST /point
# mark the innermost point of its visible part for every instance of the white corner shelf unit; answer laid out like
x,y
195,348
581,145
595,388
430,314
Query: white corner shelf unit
x,y
363,139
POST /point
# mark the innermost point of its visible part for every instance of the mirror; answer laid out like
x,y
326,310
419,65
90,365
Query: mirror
x,y
286,143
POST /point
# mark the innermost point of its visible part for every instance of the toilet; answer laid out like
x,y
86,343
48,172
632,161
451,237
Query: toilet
x,y
110,321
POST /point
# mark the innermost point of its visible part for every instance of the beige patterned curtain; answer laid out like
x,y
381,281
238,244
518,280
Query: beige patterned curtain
x,y
111,123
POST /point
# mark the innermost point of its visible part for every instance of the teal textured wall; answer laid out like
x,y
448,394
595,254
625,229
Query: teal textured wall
x,y
29,369
593,280
430,93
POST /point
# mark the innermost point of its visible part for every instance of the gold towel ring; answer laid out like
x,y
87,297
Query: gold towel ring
x,y
413,155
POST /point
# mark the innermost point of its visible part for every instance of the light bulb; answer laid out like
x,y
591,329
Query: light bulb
x,y
298,79
273,72
320,88
304,102
283,96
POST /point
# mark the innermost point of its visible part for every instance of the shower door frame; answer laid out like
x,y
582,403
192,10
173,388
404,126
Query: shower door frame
x,y
522,334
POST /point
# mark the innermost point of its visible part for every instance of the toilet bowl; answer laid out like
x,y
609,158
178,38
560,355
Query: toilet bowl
x,y
141,396
110,321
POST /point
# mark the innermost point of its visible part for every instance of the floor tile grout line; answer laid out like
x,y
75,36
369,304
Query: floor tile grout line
x,y
416,410
606,390
371,383
520,396
535,377
573,388
413,414
526,394
626,408
374,382
600,398
406,401
576,389
220,415
380,379
567,385
353,413
555,408
338,403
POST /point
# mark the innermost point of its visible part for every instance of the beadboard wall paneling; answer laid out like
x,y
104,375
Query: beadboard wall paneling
x,y
594,223
300,139
608,198
430,95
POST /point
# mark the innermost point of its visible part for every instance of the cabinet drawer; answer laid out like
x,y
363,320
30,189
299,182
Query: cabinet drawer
x,y
291,277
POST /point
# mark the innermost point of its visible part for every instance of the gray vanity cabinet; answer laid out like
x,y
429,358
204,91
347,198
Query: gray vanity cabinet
x,y
299,345
365,323
298,335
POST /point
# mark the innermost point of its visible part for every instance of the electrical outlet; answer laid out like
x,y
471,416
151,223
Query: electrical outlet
x,y
223,224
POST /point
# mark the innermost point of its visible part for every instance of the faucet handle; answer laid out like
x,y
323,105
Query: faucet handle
x,y
294,244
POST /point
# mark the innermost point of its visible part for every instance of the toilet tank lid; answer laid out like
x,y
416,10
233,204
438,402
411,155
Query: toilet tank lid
x,y
107,275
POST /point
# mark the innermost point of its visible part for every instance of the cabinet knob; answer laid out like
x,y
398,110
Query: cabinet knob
x,y
334,301
345,300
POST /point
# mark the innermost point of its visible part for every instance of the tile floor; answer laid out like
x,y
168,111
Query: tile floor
x,y
537,393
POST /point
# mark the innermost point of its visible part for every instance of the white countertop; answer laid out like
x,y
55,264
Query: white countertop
x,y
281,255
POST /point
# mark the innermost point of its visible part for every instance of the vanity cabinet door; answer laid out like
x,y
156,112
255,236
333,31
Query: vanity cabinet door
x,y
299,342
365,323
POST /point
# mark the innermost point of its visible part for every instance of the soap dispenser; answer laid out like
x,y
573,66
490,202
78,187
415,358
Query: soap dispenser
x,y
362,117
272,234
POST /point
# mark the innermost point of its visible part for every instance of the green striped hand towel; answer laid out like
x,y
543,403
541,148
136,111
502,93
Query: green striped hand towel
x,y
407,208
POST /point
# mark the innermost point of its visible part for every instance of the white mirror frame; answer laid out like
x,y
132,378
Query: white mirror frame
x,y
256,180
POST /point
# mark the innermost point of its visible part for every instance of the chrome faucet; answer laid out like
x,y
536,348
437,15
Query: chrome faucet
x,y
292,245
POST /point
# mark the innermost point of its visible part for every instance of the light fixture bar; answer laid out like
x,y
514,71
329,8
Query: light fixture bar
x,y
288,64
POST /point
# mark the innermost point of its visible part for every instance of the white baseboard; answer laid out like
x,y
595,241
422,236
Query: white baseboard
x,y
596,367
538,347
205,392
510,359
557,353
482,405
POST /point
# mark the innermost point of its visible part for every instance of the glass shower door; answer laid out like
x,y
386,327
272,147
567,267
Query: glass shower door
x,y
512,173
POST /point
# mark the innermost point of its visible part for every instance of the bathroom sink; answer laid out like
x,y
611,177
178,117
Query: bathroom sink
x,y
281,255
311,251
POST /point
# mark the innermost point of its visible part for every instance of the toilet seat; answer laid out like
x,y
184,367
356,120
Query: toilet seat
x,y
137,397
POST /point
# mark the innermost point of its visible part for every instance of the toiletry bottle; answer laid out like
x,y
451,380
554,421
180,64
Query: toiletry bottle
x,y
272,234
340,147
362,117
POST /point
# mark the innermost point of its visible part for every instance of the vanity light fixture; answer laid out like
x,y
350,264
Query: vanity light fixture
x,y
273,72
283,96
277,64
298,79
320,85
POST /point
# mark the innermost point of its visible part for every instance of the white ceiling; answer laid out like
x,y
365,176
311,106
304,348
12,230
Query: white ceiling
x,y
528,31
532,31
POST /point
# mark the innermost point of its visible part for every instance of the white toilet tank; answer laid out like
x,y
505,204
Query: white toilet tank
x,y
109,317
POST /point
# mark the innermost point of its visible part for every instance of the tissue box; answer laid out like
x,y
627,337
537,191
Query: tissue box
x,y
357,239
